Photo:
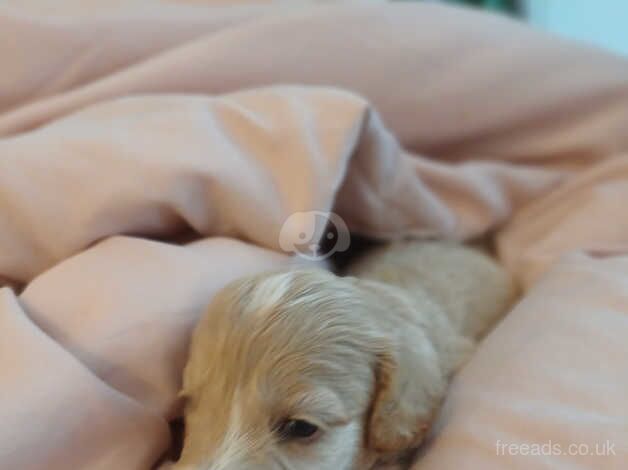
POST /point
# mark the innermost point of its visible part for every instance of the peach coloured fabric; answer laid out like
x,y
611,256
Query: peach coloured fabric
x,y
128,126
552,377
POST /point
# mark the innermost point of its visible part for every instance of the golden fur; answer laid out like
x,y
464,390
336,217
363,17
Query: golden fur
x,y
364,358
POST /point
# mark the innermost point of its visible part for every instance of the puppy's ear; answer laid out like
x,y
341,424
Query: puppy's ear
x,y
408,391
411,375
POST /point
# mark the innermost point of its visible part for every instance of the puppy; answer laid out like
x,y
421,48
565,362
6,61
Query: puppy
x,y
306,370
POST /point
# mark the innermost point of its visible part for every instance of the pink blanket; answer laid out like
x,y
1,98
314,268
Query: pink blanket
x,y
127,125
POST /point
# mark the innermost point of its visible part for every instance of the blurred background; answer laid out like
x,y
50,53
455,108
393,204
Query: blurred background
x,y
600,22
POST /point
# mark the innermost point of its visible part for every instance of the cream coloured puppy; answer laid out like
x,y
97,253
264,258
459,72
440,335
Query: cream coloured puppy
x,y
305,370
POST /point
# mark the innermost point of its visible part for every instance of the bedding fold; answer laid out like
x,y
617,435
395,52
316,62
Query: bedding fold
x,y
56,414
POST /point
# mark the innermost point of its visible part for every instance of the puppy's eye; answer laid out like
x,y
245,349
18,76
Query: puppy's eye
x,y
297,429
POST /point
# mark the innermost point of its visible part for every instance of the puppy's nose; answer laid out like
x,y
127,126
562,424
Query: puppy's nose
x,y
314,247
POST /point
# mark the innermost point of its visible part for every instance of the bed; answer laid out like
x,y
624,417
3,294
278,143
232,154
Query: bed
x,y
126,128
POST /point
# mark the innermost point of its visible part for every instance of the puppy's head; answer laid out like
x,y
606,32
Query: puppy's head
x,y
304,370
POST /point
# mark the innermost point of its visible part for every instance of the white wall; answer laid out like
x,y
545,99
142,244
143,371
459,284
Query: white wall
x,y
601,22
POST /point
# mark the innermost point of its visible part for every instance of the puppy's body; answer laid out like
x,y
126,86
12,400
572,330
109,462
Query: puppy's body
x,y
467,286
362,361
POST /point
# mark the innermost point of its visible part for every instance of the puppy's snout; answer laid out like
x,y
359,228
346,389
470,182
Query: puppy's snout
x,y
314,247
205,466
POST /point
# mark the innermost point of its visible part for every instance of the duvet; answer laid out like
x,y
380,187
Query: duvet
x,y
152,151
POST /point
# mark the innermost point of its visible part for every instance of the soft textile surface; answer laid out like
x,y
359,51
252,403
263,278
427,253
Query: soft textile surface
x,y
128,124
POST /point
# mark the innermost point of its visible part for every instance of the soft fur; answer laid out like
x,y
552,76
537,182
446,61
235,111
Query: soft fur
x,y
365,357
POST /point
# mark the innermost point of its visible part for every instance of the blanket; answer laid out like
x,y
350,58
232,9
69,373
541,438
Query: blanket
x,y
152,151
